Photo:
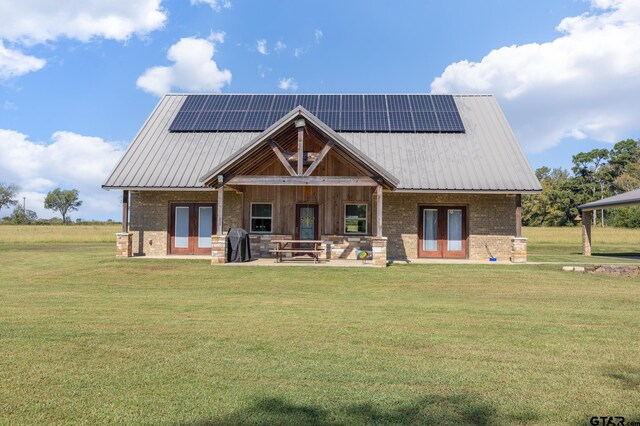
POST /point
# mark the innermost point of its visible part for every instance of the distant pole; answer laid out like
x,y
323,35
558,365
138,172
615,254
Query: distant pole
x,y
24,203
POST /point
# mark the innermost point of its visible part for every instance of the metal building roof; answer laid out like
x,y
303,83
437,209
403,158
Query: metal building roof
x,y
621,200
486,158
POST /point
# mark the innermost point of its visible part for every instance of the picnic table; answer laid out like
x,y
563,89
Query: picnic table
x,y
286,246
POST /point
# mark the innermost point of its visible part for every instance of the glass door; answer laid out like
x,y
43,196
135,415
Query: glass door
x,y
306,223
191,227
442,232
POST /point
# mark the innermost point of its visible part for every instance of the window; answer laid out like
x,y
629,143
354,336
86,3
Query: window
x,y
355,219
261,217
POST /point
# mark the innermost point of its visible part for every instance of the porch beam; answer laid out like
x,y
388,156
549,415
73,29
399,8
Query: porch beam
x,y
379,211
518,215
283,160
300,151
325,150
220,218
302,181
125,211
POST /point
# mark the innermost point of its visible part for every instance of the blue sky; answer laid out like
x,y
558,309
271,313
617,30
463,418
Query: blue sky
x,y
78,80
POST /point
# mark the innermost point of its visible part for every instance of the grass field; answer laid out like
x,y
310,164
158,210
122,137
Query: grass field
x,y
85,338
609,245
59,233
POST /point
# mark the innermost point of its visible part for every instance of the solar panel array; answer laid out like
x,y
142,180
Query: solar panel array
x,y
343,113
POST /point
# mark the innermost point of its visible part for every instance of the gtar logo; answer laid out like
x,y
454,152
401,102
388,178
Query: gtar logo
x,y
607,421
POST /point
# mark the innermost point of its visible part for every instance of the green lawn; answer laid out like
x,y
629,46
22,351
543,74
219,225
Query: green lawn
x,y
88,339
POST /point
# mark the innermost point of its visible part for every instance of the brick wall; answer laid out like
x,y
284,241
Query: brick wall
x,y
149,216
490,218
491,223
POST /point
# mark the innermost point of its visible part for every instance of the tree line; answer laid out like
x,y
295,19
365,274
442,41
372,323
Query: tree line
x,y
595,175
58,200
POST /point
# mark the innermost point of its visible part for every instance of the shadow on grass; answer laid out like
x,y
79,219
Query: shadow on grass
x,y
624,255
433,409
627,376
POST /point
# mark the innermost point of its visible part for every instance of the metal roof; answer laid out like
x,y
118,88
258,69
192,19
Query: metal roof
x,y
621,200
486,158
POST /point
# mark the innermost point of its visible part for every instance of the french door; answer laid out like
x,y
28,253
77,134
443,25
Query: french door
x,y
442,232
192,225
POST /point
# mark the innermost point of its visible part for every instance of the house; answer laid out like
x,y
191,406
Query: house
x,y
405,176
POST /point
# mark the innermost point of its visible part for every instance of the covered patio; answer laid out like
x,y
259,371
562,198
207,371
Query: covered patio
x,y
627,199
314,180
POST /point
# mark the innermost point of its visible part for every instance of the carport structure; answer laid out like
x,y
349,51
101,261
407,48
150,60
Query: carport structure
x,y
631,198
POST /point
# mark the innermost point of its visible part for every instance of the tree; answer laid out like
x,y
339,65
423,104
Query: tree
x,y
7,195
62,201
21,216
594,174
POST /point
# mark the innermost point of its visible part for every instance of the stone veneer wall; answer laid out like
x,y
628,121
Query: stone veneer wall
x,y
149,216
261,244
491,223
344,246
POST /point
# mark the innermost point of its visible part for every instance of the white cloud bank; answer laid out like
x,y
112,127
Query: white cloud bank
x,y
194,69
25,23
584,84
69,161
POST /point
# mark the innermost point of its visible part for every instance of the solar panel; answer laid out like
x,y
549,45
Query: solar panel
x,y
330,118
231,120
284,103
398,103
352,121
376,121
352,103
426,121
400,122
444,103
309,102
207,120
346,113
261,103
421,103
329,103
450,122
375,103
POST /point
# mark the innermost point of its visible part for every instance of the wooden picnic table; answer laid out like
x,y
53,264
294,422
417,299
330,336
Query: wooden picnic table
x,y
286,246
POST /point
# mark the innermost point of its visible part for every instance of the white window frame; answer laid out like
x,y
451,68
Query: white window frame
x,y
366,218
251,217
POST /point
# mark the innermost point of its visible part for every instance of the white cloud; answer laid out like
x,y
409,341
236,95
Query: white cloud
x,y
217,37
318,34
194,70
288,84
261,46
69,161
30,22
583,84
298,51
214,4
38,21
14,63
279,46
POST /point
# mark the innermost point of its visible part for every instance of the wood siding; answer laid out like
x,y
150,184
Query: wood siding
x,y
330,200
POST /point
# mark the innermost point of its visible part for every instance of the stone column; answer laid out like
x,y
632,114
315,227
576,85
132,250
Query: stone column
x,y
124,244
519,250
379,250
586,233
218,249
